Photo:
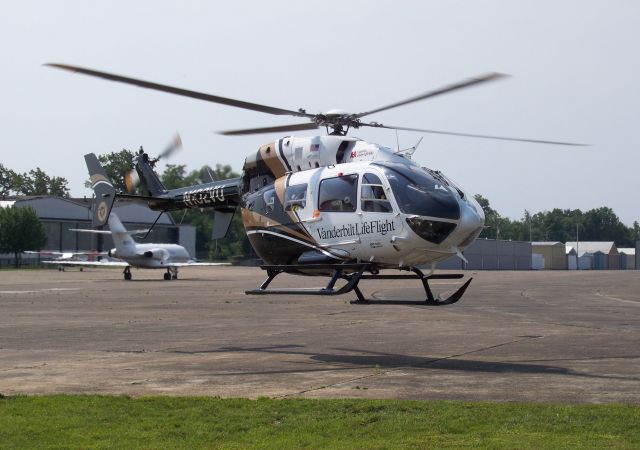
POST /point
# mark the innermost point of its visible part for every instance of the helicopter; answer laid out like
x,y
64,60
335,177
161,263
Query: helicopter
x,y
326,205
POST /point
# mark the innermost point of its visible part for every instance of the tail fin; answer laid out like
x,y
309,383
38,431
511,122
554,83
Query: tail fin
x,y
125,245
150,183
102,187
115,225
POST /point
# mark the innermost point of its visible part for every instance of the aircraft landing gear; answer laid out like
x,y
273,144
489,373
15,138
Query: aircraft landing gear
x,y
127,273
171,273
355,273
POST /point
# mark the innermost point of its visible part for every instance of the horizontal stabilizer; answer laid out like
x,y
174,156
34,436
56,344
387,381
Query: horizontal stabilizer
x,y
221,222
84,230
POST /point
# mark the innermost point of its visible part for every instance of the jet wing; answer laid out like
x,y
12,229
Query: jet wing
x,y
88,263
65,255
195,263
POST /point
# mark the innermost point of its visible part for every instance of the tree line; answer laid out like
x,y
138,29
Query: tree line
x,y
34,182
561,225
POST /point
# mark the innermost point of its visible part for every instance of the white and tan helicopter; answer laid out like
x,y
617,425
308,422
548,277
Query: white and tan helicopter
x,y
328,205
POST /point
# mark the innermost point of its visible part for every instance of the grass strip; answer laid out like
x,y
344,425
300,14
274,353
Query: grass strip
x,y
91,421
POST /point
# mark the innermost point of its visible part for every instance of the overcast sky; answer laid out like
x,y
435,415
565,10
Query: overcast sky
x,y
574,70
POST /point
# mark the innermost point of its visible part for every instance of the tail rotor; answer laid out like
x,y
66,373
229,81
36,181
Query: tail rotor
x,y
132,178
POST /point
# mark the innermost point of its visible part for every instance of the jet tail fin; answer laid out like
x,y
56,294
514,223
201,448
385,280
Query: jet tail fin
x,y
105,193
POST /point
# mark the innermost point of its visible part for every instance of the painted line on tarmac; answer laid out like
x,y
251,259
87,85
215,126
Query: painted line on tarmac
x,y
39,290
621,300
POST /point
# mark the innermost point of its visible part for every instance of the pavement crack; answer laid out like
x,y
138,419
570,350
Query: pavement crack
x,y
339,383
482,349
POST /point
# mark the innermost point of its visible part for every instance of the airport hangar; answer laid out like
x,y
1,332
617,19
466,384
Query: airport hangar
x,y
59,215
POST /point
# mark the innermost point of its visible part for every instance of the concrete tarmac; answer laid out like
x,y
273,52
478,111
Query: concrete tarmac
x,y
514,336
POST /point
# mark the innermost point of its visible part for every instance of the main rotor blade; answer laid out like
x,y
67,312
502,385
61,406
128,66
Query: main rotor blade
x,y
182,92
482,136
297,127
443,90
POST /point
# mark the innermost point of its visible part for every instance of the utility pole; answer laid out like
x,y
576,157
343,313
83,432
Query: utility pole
x,y
577,247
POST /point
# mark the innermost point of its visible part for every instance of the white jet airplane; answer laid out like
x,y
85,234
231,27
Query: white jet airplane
x,y
132,254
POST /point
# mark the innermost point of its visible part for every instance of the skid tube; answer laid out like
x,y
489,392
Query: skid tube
x,y
352,273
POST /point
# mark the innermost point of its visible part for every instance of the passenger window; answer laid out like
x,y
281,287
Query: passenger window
x,y
372,195
295,197
339,194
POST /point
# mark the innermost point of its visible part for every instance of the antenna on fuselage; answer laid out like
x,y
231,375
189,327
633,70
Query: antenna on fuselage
x,y
408,152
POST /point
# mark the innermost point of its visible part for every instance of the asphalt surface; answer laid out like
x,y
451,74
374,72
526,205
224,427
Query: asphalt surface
x,y
514,336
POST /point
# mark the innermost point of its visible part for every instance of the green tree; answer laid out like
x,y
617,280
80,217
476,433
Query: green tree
x,y
8,180
598,224
635,231
20,230
491,219
117,165
174,176
58,186
604,225
221,172
35,182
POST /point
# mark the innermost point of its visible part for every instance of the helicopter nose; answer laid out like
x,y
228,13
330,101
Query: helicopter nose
x,y
470,225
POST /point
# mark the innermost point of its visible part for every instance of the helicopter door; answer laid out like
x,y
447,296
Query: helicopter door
x,y
337,227
380,220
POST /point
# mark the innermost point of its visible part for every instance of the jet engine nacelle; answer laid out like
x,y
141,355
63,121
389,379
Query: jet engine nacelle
x,y
159,254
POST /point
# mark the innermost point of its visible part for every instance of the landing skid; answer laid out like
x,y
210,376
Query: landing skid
x,y
352,274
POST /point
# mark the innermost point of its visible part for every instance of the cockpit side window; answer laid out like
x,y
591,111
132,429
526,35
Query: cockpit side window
x,y
295,197
372,195
339,194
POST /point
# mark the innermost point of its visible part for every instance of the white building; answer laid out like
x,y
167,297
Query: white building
x,y
604,255
572,257
627,258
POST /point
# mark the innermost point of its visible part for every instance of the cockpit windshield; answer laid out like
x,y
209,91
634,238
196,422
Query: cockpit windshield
x,y
417,192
